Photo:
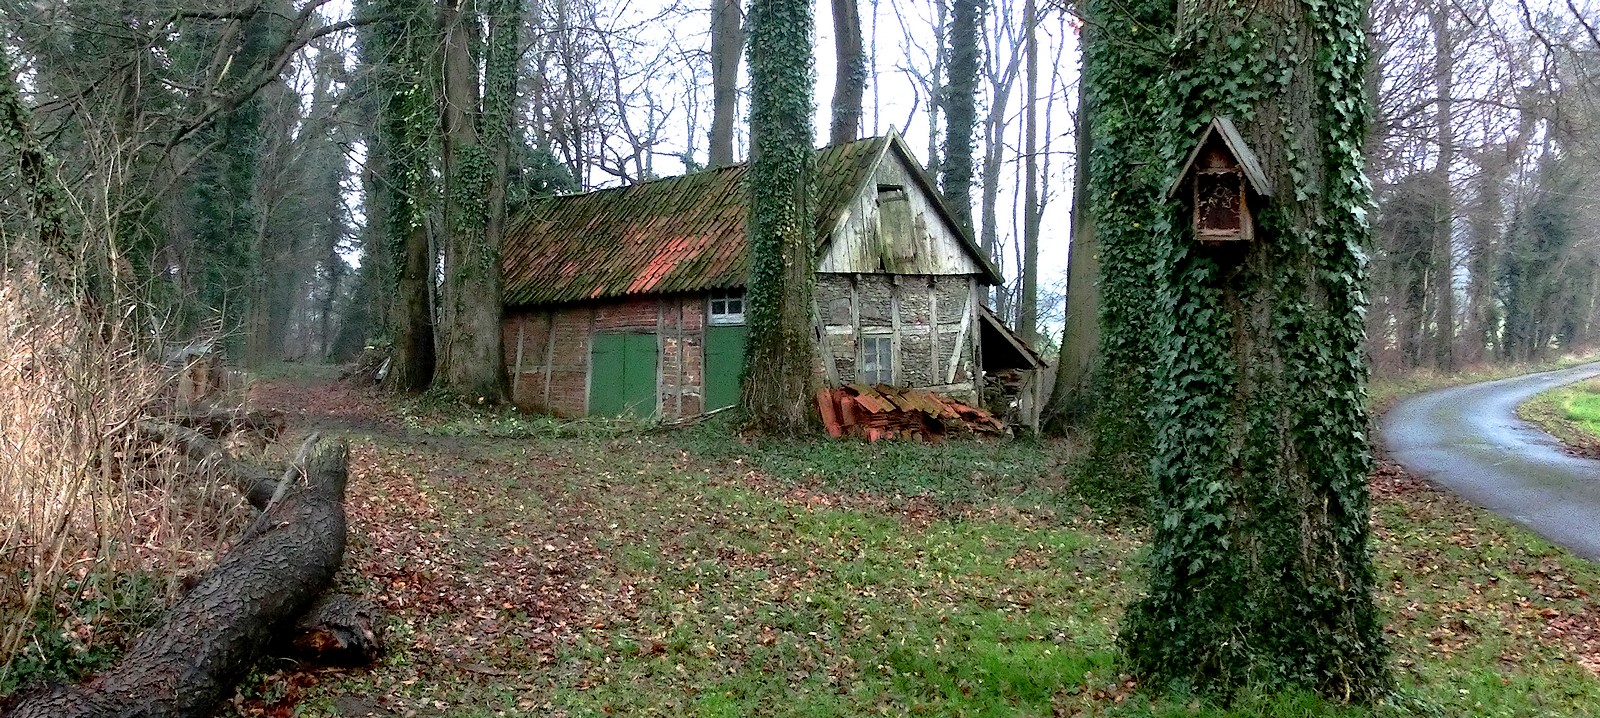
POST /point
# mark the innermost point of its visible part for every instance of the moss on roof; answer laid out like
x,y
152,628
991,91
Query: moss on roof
x,y
666,236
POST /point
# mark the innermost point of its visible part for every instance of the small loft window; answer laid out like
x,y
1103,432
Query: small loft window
x,y
877,361
727,307
891,193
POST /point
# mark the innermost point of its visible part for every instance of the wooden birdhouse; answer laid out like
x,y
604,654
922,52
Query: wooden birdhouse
x,y
1222,178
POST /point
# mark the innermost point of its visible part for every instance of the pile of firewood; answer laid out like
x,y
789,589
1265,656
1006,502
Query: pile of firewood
x,y
884,412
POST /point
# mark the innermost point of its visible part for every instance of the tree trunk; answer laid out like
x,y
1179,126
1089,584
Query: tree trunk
x,y
850,72
189,662
1028,317
413,317
995,125
961,109
727,48
1070,397
1261,572
1484,226
405,94
776,390
474,170
1444,291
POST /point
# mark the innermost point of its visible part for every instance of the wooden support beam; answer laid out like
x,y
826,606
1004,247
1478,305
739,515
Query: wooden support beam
x,y
516,372
968,315
933,326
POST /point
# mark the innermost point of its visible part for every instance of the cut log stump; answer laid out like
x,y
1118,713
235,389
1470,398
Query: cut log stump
x,y
341,630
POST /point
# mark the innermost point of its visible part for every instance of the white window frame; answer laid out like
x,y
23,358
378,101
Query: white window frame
x,y
720,304
876,367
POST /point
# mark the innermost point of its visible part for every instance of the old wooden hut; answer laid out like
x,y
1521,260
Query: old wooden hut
x,y
632,299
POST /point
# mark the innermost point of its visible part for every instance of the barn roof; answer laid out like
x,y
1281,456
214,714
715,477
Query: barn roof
x,y
679,234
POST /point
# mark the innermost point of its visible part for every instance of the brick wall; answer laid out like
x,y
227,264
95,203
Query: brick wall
x,y
555,345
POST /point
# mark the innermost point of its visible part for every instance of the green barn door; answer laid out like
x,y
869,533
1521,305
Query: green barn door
x,y
623,375
724,359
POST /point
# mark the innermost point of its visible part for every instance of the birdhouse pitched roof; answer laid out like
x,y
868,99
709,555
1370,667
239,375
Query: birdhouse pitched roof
x,y
678,234
1221,128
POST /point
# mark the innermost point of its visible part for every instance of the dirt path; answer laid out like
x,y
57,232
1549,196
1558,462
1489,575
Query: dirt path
x,y
1469,440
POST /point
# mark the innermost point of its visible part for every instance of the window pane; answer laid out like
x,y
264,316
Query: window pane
x,y
877,360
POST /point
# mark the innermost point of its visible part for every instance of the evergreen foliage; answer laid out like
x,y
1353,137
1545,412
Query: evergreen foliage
x,y
221,196
1260,572
776,388
1125,53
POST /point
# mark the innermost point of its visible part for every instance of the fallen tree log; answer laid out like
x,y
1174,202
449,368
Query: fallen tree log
x,y
257,486
188,663
218,423
341,630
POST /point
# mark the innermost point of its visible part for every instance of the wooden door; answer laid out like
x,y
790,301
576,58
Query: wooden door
x,y
724,361
623,375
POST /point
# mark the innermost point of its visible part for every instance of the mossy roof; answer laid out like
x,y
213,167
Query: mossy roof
x,y
666,236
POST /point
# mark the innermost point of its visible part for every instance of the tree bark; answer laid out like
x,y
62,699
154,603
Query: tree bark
x,y
476,132
405,91
850,72
727,49
961,109
1443,269
413,316
1070,397
1260,571
340,630
776,390
189,662
1028,316
995,125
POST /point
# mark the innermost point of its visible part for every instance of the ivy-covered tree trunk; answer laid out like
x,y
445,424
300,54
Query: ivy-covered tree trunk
x,y
399,58
850,73
476,140
1124,61
1261,572
960,98
776,390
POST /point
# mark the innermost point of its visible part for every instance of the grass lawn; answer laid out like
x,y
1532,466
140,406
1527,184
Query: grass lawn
x,y
1570,413
537,568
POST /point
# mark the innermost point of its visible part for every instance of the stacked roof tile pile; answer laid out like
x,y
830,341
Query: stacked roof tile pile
x,y
884,412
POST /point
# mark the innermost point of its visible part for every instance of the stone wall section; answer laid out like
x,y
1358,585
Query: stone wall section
x,y
854,306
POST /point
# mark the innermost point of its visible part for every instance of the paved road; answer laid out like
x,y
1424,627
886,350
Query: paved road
x,y
1469,440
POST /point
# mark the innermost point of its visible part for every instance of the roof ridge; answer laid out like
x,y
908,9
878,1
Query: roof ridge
x,y
700,172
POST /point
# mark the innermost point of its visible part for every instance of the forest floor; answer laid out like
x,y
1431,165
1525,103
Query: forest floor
x,y
531,567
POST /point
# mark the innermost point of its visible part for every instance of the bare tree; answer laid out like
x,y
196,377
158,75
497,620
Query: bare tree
x,y
850,72
727,49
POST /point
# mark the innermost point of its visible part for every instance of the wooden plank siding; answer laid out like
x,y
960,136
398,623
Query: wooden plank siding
x,y
864,243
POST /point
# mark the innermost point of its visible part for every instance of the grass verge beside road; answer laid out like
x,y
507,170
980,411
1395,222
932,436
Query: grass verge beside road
x,y
1570,413
1383,390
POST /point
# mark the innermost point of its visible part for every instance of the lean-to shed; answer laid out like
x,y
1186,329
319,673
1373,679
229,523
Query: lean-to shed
x,y
631,300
